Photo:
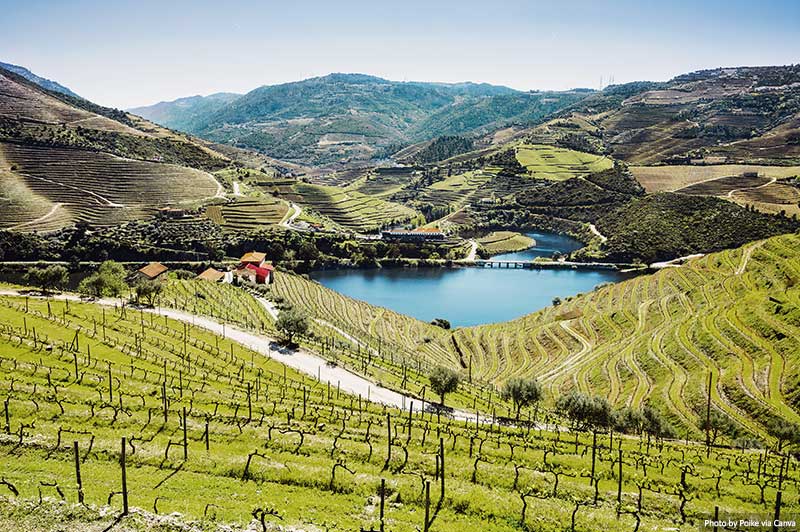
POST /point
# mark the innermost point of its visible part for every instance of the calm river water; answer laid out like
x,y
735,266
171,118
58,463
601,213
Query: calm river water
x,y
470,296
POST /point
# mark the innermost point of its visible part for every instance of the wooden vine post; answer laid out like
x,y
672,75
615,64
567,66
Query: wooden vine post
x,y
185,440
441,467
124,479
619,478
777,516
594,454
78,471
383,497
426,525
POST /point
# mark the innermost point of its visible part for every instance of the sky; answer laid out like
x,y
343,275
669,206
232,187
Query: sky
x,y
124,53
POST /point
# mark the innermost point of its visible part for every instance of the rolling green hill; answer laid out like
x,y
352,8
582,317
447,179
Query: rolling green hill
x,y
655,339
208,433
347,118
651,340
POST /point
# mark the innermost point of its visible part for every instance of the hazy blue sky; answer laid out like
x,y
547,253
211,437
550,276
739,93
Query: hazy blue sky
x,y
125,53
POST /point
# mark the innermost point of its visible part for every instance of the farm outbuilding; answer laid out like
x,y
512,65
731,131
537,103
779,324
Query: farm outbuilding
x,y
152,271
210,274
254,269
255,258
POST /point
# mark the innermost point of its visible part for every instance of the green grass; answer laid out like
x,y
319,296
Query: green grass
x,y
550,162
210,377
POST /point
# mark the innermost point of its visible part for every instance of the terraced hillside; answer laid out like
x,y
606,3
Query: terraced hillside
x,y
655,339
248,213
98,188
111,411
550,162
351,209
746,115
64,159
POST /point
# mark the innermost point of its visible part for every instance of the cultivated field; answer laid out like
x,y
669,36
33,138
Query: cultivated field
x,y
456,190
211,432
220,301
656,338
383,182
774,198
351,210
245,214
550,162
672,178
95,187
724,186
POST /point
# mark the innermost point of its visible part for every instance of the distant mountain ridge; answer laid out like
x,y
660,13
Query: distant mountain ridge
x,y
740,114
42,82
348,118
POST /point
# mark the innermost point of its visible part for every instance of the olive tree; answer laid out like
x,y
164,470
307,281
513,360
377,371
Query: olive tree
x,y
443,381
148,290
522,392
291,322
109,280
54,277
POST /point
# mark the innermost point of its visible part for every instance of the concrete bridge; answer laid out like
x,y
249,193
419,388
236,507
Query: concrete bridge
x,y
548,265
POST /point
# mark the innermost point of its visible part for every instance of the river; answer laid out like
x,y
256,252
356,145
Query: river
x,y
470,296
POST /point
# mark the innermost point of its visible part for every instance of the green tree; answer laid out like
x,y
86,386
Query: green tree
x,y
148,290
441,322
291,322
108,280
655,424
719,422
443,381
628,420
308,251
785,433
585,412
522,392
53,277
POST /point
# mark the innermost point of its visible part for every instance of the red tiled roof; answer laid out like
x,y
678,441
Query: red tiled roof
x,y
153,270
211,275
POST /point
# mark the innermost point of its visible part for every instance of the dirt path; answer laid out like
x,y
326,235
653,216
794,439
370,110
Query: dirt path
x,y
572,361
102,200
597,233
732,192
40,219
675,262
746,257
472,251
289,220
